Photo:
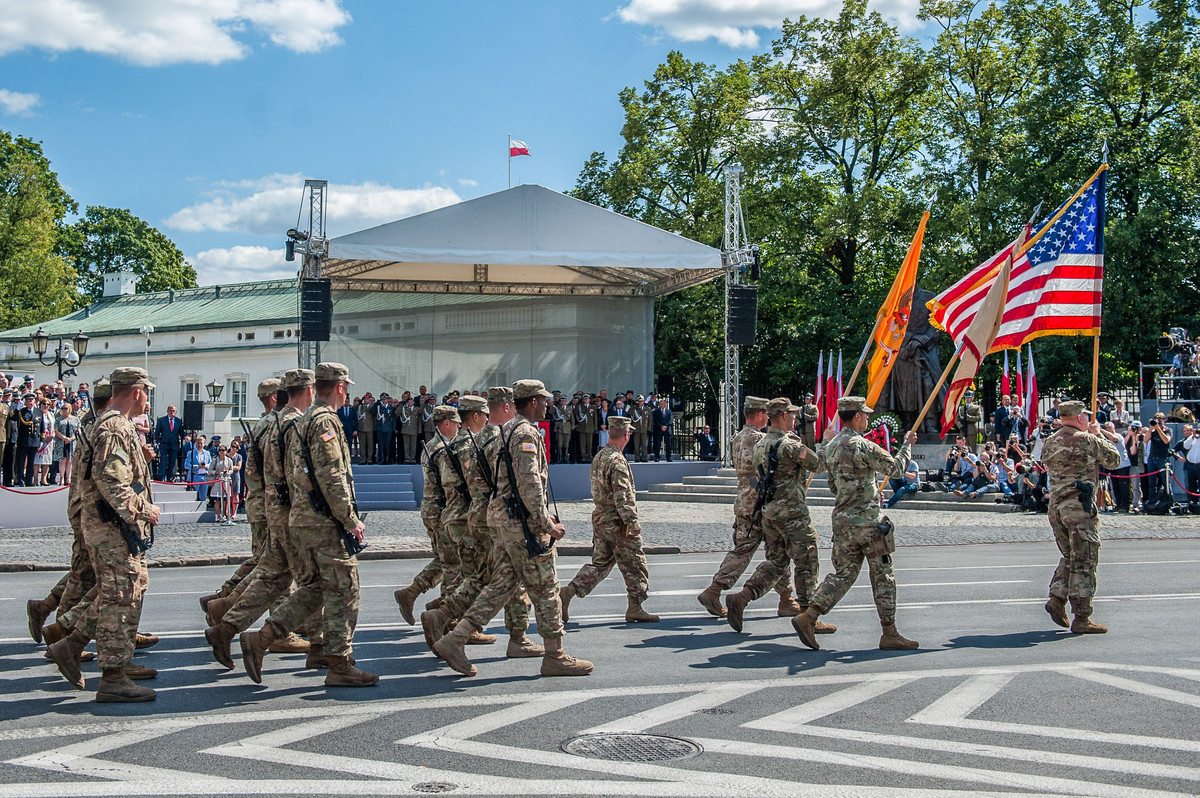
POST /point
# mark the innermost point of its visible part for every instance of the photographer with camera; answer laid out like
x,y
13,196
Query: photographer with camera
x,y
959,466
1190,446
1157,439
1045,428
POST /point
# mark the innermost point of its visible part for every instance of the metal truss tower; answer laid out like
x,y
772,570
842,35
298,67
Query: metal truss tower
x,y
314,247
736,256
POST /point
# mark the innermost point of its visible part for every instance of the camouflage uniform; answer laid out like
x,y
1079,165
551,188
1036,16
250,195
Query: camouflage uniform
x,y
970,416
256,513
639,416
853,461
328,575
1072,455
77,593
616,533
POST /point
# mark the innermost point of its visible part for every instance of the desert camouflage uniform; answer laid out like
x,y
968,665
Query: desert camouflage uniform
x,y
513,566
460,547
747,535
256,513
327,576
121,477
616,532
1072,455
280,562
853,461
443,568
77,589
786,524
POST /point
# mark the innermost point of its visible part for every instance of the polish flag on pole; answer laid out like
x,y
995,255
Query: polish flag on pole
x,y
831,394
819,395
1031,393
1019,384
1005,388
839,384
517,147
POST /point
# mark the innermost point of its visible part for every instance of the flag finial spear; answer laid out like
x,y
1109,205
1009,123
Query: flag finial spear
x,y
933,199
1033,216
1104,152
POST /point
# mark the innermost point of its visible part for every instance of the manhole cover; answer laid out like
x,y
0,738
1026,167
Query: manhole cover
x,y
627,747
716,711
434,786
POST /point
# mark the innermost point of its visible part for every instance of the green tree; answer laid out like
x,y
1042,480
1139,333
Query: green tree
x,y
114,240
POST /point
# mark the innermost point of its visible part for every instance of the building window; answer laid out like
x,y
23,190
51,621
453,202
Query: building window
x,y
410,325
352,329
385,327
278,333
237,397
191,390
249,336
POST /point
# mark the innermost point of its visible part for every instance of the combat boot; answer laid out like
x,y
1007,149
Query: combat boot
x,y
316,658
220,637
564,598
65,654
891,640
219,606
805,625
141,641
452,648
434,604
736,603
139,672
435,624
291,643
204,600
343,674
521,647
710,600
37,613
254,648
556,662
53,632
1082,625
116,687
635,614
479,638
1057,608
822,628
406,597
788,607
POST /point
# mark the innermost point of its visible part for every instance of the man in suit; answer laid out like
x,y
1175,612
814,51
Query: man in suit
x,y
661,429
1001,423
168,434
349,418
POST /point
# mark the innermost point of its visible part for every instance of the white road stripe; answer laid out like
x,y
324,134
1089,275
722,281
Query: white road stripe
x,y
963,699
1165,693
855,587
675,710
791,719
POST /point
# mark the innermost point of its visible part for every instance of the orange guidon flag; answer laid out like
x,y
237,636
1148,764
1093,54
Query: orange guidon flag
x,y
891,321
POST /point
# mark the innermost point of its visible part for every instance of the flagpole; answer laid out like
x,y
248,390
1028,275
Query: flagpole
x,y
1096,341
510,160
937,388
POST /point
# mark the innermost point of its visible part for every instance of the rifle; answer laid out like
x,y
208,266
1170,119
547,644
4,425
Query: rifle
x,y
133,538
765,483
483,467
461,487
516,508
254,447
316,499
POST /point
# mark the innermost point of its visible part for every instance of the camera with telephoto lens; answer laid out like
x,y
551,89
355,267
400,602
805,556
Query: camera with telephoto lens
x,y
1176,342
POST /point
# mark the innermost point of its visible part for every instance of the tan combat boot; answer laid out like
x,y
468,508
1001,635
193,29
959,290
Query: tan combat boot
x,y
788,607
434,604
116,687
343,674
141,641
736,603
822,628
316,658
53,632
1057,609
891,640
435,624
139,672
1082,625
805,625
635,614
65,654
37,612
291,643
254,648
557,662
452,648
406,597
521,647
219,606
479,638
220,637
710,600
564,598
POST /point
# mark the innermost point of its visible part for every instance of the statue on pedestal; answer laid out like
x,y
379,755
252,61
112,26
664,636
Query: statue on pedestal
x,y
917,369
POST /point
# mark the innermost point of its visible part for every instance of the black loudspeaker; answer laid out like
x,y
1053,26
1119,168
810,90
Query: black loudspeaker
x,y
193,414
316,309
666,384
743,314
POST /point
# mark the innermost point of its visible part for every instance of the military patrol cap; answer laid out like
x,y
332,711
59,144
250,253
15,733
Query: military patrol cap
x,y
855,403
130,375
298,378
472,404
780,405
754,403
1072,408
969,394
445,413
640,398
501,393
333,372
30,395
102,389
268,387
618,424
523,389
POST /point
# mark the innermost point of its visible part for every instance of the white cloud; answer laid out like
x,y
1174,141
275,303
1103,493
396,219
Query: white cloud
x,y
466,181
268,206
155,32
241,265
17,103
734,22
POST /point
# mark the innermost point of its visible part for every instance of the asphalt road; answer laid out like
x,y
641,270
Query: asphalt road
x,y
997,700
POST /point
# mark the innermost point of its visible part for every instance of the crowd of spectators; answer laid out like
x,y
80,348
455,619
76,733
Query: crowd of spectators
x,y
38,427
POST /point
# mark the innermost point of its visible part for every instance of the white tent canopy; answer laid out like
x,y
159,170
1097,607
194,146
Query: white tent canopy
x,y
526,240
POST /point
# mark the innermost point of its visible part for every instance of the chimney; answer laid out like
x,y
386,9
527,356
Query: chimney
x,y
120,284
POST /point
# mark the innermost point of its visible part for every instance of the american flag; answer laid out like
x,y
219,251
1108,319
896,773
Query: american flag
x,y
1056,285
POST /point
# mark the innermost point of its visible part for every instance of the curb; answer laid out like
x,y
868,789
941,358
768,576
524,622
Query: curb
x,y
239,558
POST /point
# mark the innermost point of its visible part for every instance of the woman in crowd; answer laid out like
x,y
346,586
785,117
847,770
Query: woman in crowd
x,y
65,428
235,454
45,452
221,471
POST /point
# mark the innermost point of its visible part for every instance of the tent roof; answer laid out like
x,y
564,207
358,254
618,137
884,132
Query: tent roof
x,y
523,240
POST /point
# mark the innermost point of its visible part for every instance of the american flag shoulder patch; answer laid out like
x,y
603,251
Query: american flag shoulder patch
x,y
328,436
529,447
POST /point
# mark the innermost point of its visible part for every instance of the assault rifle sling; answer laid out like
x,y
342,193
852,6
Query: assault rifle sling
x,y
316,499
461,487
516,508
133,538
765,484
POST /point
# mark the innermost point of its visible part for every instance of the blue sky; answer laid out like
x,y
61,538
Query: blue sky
x,y
204,118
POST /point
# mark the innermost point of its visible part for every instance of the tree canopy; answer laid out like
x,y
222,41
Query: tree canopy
x,y
114,240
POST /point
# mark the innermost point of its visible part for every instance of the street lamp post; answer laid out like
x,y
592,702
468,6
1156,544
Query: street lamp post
x,y
146,330
69,353
214,390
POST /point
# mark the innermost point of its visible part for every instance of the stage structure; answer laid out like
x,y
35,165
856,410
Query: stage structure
x,y
315,304
737,256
